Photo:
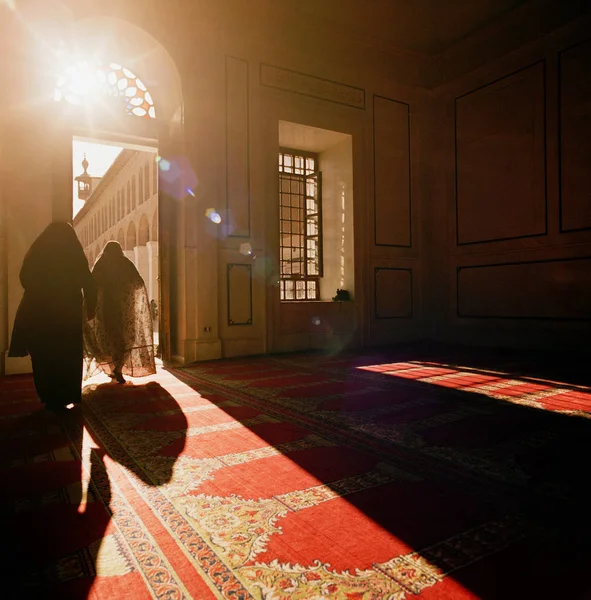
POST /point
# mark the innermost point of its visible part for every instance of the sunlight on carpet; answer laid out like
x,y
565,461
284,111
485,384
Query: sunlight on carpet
x,y
295,478
533,392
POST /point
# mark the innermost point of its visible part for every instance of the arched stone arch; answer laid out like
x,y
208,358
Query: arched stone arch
x,y
138,51
105,81
154,232
56,37
143,231
38,49
121,238
131,238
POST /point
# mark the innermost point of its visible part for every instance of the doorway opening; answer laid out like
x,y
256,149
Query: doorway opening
x,y
115,197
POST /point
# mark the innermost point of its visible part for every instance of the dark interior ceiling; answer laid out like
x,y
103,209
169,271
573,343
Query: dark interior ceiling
x,y
423,26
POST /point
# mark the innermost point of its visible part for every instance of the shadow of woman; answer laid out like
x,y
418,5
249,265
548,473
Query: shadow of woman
x,y
94,542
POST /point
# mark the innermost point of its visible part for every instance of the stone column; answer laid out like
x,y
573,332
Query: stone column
x,y
152,283
3,287
142,263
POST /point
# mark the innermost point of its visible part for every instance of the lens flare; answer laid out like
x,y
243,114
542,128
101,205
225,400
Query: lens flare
x,y
177,177
213,215
246,249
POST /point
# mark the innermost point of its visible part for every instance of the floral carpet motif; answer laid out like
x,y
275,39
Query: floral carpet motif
x,y
299,477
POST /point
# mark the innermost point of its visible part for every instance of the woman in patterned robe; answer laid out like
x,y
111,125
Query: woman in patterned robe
x,y
120,337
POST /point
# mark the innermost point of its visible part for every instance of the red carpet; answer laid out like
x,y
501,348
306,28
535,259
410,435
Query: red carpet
x,y
301,477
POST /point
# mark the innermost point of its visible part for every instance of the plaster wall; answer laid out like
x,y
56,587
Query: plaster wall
x,y
337,220
507,176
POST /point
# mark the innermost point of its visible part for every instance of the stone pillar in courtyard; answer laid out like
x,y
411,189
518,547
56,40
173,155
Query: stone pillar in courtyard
x,y
131,255
142,264
152,282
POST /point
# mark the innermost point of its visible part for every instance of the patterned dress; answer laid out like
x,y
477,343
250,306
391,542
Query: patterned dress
x,y
119,340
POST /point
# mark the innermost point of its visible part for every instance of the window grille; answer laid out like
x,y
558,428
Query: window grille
x,y
86,80
300,225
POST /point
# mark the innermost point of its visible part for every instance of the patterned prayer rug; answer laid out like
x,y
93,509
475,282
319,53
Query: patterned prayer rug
x,y
363,477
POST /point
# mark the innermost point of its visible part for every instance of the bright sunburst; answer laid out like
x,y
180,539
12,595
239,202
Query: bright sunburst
x,y
84,83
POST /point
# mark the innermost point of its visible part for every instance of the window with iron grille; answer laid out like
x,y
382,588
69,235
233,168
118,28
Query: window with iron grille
x,y
300,225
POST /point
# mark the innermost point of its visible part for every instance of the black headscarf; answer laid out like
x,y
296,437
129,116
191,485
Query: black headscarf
x,y
55,259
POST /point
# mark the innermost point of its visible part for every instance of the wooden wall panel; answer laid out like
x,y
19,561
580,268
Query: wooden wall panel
x,y
575,137
237,149
393,293
500,159
392,201
552,289
239,294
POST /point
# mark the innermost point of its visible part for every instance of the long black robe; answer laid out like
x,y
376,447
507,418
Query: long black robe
x,y
48,323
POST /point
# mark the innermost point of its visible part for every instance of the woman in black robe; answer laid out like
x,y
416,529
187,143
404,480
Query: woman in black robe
x,y
120,338
48,323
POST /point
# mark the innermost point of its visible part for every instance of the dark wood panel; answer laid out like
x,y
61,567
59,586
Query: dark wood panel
x,y
501,159
392,200
393,293
553,289
237,148
575,138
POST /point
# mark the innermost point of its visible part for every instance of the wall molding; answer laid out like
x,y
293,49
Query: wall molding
x,y
408,315
545,151
233,318
375,211
559,122
235,122
511,264
314,87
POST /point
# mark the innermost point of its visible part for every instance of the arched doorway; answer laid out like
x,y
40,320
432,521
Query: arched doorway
x,y
31,104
